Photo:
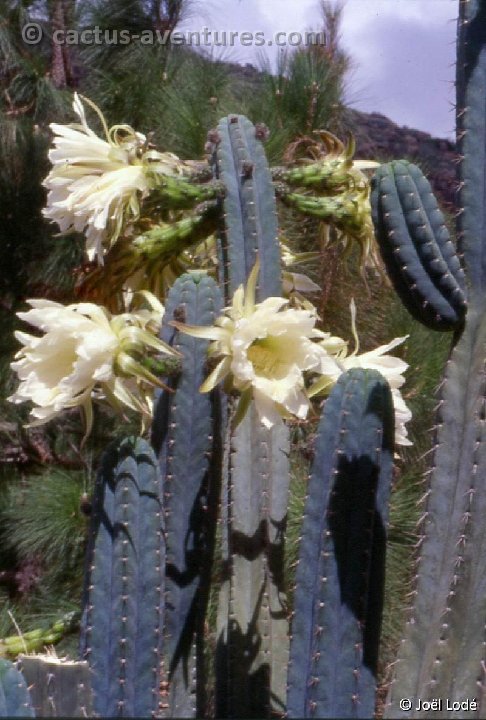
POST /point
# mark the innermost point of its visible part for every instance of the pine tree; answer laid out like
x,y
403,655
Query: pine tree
x,y
306,91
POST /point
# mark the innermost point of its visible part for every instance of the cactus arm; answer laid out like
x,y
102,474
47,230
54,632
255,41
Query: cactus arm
x,y
15,699
442,654
252,624
426,224
185,436
121,636
438,643
471,136
59,687
249,208
415,246
340,575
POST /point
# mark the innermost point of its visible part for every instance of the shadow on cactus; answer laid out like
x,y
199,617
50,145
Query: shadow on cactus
x,y
340,576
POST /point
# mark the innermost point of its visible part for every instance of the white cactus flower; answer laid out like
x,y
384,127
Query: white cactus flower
x,y
86,352
96,185
264,349
391,367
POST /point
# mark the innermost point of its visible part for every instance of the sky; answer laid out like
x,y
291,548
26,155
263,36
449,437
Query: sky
x,y
403,50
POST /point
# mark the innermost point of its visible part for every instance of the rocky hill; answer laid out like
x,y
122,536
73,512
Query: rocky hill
x,y
380,138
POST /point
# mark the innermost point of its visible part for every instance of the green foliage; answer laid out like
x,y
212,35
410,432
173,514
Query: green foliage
x,y
112,70
194,97
43,522
306,90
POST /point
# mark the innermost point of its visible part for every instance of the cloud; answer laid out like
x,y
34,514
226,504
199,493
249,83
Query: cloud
x,y
404,50
404,60
221,16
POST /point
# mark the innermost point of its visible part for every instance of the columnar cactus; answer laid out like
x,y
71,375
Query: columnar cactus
x,y
121,634
187,439
252,627
340,576
153,528
442,655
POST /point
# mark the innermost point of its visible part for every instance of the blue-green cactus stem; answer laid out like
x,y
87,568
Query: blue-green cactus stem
x,y
340,575
252,651
442,655
186,435
416,247
249,208
471,140
252,626
59,687
123,606
15,700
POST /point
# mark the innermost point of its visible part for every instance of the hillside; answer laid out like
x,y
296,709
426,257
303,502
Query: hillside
x,y
378,137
